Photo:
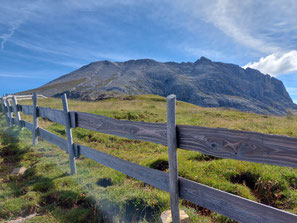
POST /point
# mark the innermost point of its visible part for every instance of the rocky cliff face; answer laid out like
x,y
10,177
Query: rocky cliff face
x,y
204,83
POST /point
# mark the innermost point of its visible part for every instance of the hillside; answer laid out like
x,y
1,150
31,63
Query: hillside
x,y
48,190
204,83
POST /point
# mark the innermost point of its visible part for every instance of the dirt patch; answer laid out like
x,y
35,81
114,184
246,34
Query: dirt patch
x,y
270,193
104,182
247,178
204,157
160,164
137,209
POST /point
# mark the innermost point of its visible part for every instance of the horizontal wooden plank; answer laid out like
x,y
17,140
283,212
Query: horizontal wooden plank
x,y
52,138
52,114
230,205
219,142
153,177
239,145
26,109
235,207
27,125
151,132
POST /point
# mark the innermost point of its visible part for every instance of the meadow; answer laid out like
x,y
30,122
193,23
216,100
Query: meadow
x,y
100,194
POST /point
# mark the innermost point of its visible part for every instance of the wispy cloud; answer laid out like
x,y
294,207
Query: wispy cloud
x,y
292,91
266,27
6,36
22,76
13,16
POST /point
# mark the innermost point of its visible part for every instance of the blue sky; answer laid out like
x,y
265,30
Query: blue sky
x,y
42,40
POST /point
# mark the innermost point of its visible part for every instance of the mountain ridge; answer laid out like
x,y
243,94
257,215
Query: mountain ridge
x,y
204,83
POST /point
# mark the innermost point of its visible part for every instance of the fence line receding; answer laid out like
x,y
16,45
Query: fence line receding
x,y
219,142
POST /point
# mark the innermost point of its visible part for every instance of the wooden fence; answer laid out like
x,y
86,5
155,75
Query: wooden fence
x,y
219,142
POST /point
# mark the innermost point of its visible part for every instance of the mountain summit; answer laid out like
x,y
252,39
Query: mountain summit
x,y
204,83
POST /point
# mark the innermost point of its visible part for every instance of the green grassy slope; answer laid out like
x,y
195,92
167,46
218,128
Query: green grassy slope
x,y
99,193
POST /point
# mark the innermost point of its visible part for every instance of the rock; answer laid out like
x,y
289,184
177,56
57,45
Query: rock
x,y
166,217
18,171
21,220
204,83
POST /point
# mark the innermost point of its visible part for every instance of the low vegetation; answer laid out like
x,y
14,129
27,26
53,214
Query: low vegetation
x,y
100,194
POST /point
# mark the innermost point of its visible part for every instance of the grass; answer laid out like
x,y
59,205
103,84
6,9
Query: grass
x,y
98,193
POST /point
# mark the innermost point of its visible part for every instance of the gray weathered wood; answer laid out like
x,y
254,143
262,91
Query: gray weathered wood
x,y
69,134
52,138
52,114
2,105
27,109
27,125
225,143
16,112
239,145
5,111
230,205
13,121
235,207
152,132
153,177
172,157
9,113
35,120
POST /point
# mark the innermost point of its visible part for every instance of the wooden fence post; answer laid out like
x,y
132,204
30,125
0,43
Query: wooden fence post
x,y
16,112
172,156
4,110
69,135
9,113
2,105
35,120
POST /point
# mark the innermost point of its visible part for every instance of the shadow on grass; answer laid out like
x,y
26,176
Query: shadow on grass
x,y
35,193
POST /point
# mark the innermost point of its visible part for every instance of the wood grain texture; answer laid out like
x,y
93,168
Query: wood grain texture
x,y
235,207
172,158
52,138
219,142
151,132
2,106
16,112
27,125
230,205
27,109
53,115
153,177
10,116
35,120
69,134
239,145
5,111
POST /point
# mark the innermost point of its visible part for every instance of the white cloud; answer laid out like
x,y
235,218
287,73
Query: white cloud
x,y
276,64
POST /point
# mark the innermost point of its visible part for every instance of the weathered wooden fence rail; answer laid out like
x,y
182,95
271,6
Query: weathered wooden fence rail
x,y
219,142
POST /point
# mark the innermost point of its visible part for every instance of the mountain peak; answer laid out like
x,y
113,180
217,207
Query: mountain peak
x,y
223,85
203,60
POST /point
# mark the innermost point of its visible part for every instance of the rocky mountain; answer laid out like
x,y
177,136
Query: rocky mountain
x,y
204,83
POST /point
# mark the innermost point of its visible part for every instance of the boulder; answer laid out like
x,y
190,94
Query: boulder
x,y
167,218
18,171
